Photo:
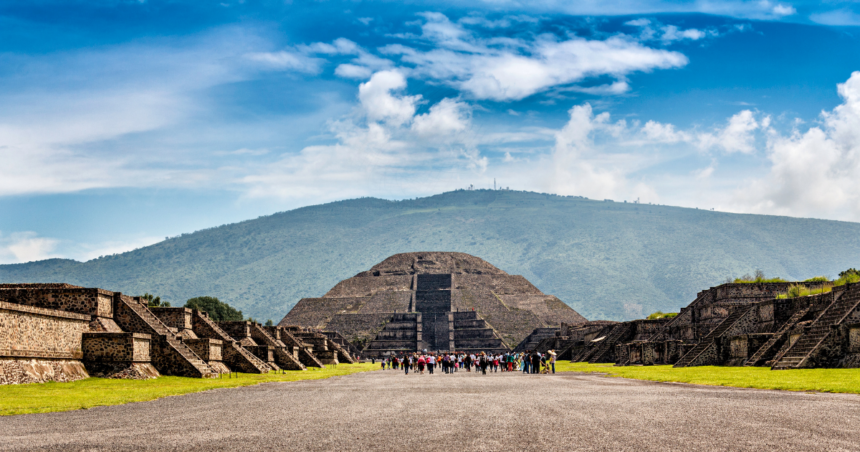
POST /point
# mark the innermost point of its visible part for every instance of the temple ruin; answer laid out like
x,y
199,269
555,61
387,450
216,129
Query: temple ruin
x,y
61,332
741,324
435,301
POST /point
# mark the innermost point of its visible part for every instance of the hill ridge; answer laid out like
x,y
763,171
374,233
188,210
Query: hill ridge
x,y
610,260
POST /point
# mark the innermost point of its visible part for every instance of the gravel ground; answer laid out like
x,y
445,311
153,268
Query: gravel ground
x,y
387,410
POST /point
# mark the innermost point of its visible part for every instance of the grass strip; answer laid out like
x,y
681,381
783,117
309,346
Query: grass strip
x,y
92,392
816,380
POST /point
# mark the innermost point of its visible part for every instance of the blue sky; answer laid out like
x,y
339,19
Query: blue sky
x,y
124,122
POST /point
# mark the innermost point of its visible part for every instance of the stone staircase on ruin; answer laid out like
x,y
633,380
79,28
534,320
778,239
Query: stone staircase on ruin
x,y
283,357
172,357
810,343
402,333
762,353
234,354
472,334
306,355
601,352
532,340
684,315
433,301
710,339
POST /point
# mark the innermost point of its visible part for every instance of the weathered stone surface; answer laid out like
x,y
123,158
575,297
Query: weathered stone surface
x,y
368,309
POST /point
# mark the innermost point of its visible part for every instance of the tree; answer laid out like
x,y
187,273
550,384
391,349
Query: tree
x,y
270,323
217,309
154,302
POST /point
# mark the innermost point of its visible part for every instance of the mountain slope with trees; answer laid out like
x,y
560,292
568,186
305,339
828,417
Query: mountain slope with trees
x,y
607,260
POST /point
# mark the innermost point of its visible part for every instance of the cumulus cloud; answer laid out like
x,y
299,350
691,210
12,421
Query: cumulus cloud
x,y
361,67
26,247
814,172
444,119
667,33
384,144
737,136
513,68
381,105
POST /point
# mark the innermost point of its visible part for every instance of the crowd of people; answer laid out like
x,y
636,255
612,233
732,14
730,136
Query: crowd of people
x,y
530,362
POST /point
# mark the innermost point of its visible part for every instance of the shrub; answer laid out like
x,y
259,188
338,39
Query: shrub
x,y
217,310
797,290
847,277
758,278
154,302
662,315
817,279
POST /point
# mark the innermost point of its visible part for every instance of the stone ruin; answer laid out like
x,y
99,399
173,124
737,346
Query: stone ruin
x,y
438,301
61,332
730,325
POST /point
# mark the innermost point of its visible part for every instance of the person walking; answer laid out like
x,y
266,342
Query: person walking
x,y
535,362
407,362
421,363
552,360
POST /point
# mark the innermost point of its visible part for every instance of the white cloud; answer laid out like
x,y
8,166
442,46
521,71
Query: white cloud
x,y
577,168
384,145
663,133
737,136
838,17
284,60
361,67
510,69
814,173
353,71
26,247
444,119
379,103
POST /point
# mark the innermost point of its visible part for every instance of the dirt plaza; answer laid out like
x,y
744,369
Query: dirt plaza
x,y
461,411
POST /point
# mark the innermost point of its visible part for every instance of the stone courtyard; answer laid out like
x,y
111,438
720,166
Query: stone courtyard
x,y
385,410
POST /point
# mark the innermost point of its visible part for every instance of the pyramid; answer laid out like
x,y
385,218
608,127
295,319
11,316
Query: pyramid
x,y
439,301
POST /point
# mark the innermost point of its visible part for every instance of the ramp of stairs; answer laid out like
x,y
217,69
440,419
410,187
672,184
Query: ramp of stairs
x,y
710,339
810,342
283,359
234,354
611,339
779,335
182,360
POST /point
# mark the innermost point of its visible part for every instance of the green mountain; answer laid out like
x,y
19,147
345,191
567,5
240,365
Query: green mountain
x,y
607,260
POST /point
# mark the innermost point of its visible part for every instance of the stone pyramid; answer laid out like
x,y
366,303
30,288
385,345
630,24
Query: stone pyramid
x,y
439,301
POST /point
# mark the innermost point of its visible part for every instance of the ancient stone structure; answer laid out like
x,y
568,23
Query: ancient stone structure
x,y
432,300
736,325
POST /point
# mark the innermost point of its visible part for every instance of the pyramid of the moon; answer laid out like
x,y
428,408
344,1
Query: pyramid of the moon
x,y
435,301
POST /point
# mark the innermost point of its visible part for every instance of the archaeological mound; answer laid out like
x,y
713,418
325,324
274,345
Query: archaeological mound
x,y
437,301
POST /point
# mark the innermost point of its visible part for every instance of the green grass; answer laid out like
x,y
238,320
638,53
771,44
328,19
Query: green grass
x,y
817,380
92,392
796,291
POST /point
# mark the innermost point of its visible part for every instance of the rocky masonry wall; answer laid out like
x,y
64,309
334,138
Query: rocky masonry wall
x,y
94,302
117,347
31,332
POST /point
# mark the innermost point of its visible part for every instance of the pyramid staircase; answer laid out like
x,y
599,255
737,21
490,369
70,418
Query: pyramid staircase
x,y
809,344
176,357
768,346
234,354
661,336
710,340
283,358
599,355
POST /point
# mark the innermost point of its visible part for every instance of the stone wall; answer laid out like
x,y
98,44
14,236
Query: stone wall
x,y
179,318
32,332
93,302
117,347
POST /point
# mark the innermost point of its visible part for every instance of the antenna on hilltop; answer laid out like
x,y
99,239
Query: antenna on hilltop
x,y
494,183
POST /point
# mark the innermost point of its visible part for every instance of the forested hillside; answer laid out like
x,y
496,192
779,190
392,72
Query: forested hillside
x,y
607,260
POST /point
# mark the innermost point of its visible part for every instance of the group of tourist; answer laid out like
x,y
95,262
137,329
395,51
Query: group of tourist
x,y
530,362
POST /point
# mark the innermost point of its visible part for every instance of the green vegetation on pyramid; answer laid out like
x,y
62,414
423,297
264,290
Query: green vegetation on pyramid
x,y
607,260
